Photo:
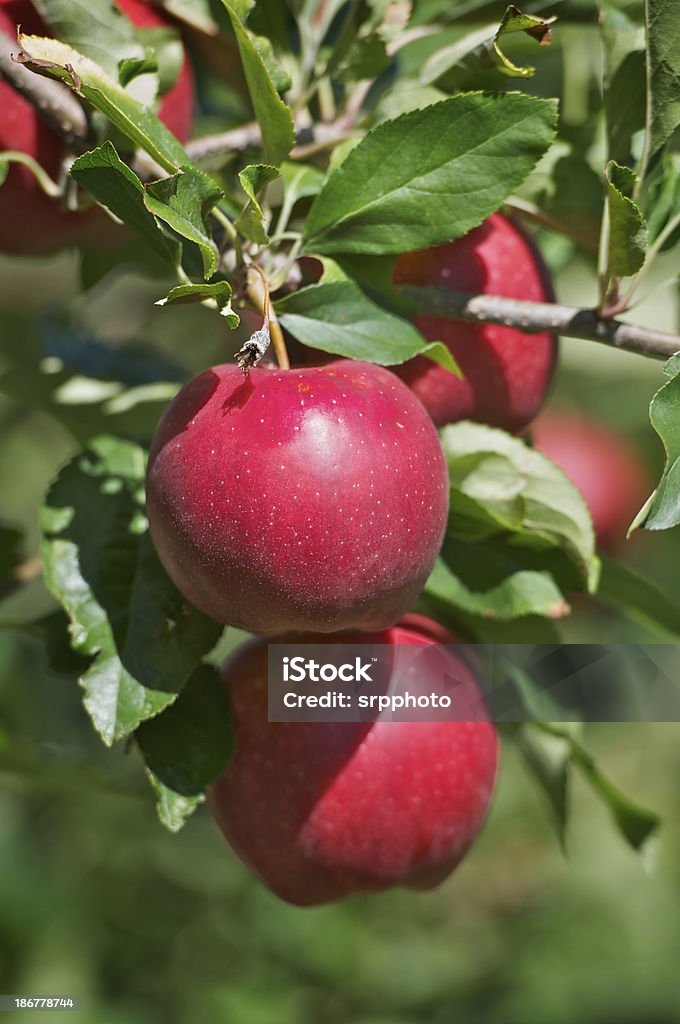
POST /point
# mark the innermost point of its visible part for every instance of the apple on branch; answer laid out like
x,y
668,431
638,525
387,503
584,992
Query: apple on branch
x,y
506,373
313,498
321,811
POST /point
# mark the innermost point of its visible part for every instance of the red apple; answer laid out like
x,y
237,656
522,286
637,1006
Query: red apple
x,y
302,499
31,223
320,811
506,373
602,464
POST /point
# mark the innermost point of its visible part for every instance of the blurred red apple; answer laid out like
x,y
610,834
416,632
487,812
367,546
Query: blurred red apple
x,y
506,373
603,465
32,223
320,811
302,499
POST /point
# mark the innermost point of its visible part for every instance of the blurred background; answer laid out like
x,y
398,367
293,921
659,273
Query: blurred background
x,y
98,901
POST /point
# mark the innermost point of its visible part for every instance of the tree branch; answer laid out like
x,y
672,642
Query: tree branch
x,y
53,100
537,317
249,136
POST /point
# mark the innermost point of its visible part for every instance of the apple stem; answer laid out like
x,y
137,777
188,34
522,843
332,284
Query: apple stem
x,y
271,329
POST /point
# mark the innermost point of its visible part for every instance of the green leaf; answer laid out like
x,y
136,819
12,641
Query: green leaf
x,y
173,808
125,613
218,293
552,750
116,186
197,13
273,115
663,71
281,80
253,179
548,759
628,590
637,824
166,44
189,744
95,28
430,175
624,77
513,21
481,49
662,200
133,67
184,202
301,181
662,511
500,486
366,58
138,123
521,592
627,227
337,317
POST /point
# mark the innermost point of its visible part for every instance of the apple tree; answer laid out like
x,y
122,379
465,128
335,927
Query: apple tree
x,y
359,194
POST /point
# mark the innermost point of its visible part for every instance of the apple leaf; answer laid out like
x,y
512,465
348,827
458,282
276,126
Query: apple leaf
x,y
197,13
663,71
300,181
100,564
184,202
623,48
553,750
519,593
173,808
96,28
138,123
253,179
116,186
636,824
166,44
500,580
502,488
547,757
662,200
482,48
627,227
337,317
187,746
431,175
218,292
626,589
662,510
281,80
274,117
134,67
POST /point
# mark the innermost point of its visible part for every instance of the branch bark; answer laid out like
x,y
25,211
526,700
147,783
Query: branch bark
x,y
537,317
309,140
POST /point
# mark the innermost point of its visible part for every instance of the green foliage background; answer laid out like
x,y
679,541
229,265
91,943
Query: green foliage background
x,y
97,901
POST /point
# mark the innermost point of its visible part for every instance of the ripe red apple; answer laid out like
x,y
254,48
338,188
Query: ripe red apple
x,y
506,373
301,499
31,223
602,464
320,811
